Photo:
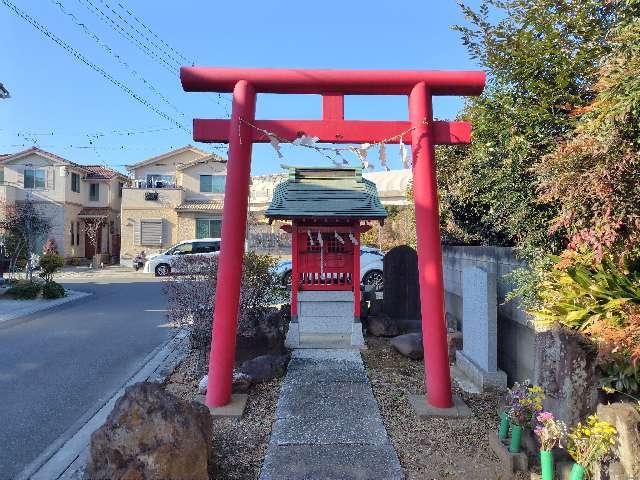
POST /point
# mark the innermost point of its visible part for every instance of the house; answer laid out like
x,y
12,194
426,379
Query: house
x,y
172,197
82,202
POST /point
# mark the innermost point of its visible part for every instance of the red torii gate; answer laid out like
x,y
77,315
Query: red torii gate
x,y
333,85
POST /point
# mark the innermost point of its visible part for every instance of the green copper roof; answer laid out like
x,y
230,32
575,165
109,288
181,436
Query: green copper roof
x,y
326,192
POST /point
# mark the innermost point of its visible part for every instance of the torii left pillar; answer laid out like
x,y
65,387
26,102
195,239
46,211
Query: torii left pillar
x,y
234,225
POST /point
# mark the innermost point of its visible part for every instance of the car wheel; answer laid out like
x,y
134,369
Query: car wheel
x,y
375,278
286,279
163,270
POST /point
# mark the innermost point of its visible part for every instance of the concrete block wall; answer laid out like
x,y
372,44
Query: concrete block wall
x,y
516,336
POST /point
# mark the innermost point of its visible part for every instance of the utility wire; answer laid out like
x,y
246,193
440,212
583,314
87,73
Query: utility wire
x,y
140,22
118,58
140,34
89,5
94,134
69,49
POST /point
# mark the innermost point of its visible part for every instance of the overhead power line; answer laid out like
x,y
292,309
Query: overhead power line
x,y
118,58
171,66
69,49
141,23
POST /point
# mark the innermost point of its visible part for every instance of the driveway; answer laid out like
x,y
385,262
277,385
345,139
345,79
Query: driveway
x,y
58,367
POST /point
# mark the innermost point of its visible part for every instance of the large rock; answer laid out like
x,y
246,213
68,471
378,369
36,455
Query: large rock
x,y
382,326
260,332
265,367
626,418
151,435
565,368
409,345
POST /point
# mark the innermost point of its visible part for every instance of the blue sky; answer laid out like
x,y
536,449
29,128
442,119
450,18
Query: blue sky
x,y
53,92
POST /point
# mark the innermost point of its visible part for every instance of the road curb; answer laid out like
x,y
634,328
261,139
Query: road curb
x,y
72,296
66,458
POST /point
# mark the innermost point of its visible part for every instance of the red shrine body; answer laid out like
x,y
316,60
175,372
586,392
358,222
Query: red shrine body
x,y
328,265
242,130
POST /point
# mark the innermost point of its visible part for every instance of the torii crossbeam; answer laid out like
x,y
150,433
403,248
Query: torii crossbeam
x,y
333,85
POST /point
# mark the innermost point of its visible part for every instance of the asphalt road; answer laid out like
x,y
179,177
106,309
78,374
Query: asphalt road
x,y
57,366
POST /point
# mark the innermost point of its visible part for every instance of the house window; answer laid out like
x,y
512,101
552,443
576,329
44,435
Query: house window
x,y
75,182
151,231
34,178
120,187
208,228
1,175
77,233
73,237
212,183
158,181
94,192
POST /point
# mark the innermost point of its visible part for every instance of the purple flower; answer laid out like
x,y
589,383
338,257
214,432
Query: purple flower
x,y
545,416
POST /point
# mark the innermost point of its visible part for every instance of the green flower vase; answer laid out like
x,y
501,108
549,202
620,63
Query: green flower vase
x,y
577,472
503,431
516,435
546,463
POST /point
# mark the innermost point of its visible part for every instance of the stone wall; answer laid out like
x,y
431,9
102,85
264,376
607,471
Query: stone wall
x,y
516,337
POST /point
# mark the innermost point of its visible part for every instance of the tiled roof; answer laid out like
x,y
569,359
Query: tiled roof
x,y
200,206
99,172
326,192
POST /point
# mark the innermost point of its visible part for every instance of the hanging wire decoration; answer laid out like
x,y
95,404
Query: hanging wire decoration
x,y
361,152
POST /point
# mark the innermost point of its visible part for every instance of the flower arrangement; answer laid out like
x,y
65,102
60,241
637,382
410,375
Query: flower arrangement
x,y
526,403
550,431
590,442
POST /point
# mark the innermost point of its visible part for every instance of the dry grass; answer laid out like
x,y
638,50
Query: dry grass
x,y
239,445
430,448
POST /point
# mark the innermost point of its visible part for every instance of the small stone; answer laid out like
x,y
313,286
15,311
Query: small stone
x,y
409,345
454,341
241,382
382,326
265,367
202,385
151,434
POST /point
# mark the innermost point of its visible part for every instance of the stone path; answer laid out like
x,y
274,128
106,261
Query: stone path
x,y
328,425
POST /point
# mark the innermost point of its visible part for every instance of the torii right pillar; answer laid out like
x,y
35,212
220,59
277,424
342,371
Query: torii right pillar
x,y
425,193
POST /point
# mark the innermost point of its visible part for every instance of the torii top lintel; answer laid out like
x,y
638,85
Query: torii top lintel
x,y
332,85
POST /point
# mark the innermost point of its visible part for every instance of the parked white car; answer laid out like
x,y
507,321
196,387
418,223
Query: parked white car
x,y
370,268
163,264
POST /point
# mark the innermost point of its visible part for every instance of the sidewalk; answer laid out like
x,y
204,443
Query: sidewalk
x,y
327,423
67,457
11,309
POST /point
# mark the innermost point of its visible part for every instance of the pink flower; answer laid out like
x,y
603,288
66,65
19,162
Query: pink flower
x,y
544,417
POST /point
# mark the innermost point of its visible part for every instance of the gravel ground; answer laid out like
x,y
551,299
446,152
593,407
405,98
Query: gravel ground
x,y
239,445
430,448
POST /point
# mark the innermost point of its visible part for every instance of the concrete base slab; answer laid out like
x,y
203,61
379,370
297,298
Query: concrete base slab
x,y
463,381
479,376
234,409
423,409
511,462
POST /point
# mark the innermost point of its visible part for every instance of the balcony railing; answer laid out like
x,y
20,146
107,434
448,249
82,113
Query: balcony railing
x,y
153,184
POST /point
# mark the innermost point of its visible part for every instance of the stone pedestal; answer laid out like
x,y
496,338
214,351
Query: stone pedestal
x,y
325,320
479,358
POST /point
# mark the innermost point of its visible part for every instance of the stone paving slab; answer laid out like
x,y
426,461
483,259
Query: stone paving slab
x,y
331,371
331,462
328,425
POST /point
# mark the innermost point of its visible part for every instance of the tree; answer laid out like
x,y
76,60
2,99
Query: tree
x,y
542,59
594,174
23,225
93,228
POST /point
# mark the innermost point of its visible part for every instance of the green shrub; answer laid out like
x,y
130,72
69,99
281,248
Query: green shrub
x,y
25,290
50,263
52,290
